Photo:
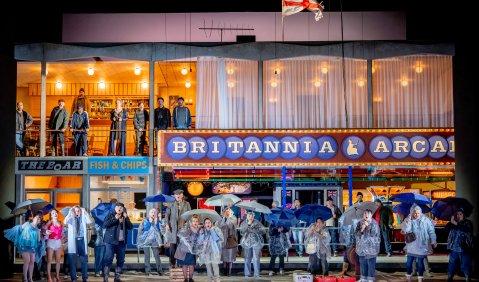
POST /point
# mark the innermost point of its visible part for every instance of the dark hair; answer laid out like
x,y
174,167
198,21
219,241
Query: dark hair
x,y
139,103
359,193
161,99
38,213
181,98
368,210
207,219
61,100
81,90
119,204
329,199
319,218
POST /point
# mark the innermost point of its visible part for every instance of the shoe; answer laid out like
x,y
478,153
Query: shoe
x,y
85,155
58,279
281,272
335,254
389,254
147,274
270,273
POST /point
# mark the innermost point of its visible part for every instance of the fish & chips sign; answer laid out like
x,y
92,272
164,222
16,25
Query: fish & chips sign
x,y
306,147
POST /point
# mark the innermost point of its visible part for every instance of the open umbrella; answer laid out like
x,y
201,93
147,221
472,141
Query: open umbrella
x,y
445,208
47,209
411,198
356,212
32,204
100,212
159,198
222,200
281,217
65,210
254,206
405,209
202,213
310,212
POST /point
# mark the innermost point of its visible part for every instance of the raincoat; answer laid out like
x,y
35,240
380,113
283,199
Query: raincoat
x,y
278,241
460,237
347,234
149,234
423,228
188,242
252,234
368,241
228,227
321,238
210,243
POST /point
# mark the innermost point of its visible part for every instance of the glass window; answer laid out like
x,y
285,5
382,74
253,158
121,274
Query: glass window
x,y
53,182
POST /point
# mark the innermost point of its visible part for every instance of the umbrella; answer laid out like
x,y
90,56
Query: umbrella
x,y
100,212
254,206
33,205
222,200
65,210
47,209
404,208
411,198
202,213
310,212
281,217
159,198
356,212
445,208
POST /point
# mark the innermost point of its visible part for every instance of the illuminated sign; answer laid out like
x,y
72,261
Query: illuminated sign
x,y
49,166
232,188
118,165
306,147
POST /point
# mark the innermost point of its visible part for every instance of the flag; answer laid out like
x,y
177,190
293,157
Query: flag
x,y
291,7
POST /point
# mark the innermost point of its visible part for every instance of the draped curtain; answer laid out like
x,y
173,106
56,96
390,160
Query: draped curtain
x,y
413,92
227,94
311,92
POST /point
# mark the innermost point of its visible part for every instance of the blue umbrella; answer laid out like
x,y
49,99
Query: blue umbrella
x,y
47,209
405,208
100,212
411,198
159,198
445,208
281,217
310,212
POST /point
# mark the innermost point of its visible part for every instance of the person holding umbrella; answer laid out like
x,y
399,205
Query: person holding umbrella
x,y
332,224
317,246
384,217
460,243
420,233
209,252
252,242
187,247
367,246
149,237
77,220
174,222
228,226
278,246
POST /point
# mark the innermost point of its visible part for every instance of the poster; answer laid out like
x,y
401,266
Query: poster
x,y
201,204
242,188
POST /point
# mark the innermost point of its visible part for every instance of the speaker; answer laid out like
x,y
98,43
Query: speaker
x,y
245,38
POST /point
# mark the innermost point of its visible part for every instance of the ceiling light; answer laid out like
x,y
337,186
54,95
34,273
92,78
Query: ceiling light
x,y
276,71
59,85
184,71
361,83
144,84
404,82
274,83
188,84
317,83
231,84
230,70
101,85
419,68
137,71
91,71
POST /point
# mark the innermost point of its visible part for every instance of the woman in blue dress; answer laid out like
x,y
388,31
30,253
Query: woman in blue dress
x,y
118,118
26,239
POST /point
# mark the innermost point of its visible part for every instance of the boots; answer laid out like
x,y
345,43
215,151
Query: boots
x,y
62,146
408,278
117,274
345,268
106,271
230,266
225,268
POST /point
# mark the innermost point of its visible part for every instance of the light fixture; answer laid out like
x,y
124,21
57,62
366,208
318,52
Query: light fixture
x,y
59,85
190,100
137,71
184,71
231,83
274,83
404,82
188,84
324,68
91,71
418,67
317,83
361,82
144,85
276,71
230,70
101,84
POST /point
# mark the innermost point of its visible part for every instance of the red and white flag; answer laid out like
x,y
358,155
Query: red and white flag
x,y
291,7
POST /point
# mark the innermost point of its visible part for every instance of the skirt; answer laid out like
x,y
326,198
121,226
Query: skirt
x,y
190,259
24,249
54,244
229,255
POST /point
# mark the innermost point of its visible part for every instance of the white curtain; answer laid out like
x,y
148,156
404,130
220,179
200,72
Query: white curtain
x,y
413,92
227,94
311,92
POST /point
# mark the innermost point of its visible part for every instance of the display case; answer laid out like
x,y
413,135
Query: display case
x,y
100,107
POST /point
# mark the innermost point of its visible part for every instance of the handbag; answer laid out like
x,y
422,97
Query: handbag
x,y
91,243
231,242
410,237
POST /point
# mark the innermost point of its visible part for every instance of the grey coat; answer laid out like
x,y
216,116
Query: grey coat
x,y
368,241
173,218
423,228
58,119
228,227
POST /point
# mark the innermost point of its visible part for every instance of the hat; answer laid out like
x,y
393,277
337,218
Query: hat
x,y
329,199
119,204
177,191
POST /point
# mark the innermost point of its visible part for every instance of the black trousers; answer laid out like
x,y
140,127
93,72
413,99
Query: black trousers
x,y
273,260
172,252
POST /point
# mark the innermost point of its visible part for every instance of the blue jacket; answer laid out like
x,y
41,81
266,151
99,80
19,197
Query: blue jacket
x,y
112,229
80,121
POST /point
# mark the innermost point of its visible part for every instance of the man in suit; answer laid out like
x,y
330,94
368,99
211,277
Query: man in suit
x,y
174,222
140,120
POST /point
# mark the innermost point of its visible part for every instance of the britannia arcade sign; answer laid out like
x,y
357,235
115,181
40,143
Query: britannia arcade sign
x,y
306,147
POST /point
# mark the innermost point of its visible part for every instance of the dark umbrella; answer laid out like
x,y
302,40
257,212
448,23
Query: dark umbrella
x,y
47,209
411,198
310,212
100,212
281,217
405,209
159,198
445,208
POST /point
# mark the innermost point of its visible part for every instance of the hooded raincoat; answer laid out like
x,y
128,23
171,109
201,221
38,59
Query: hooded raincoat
x,y
423,228
321,238
368,241
252,234
210,243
